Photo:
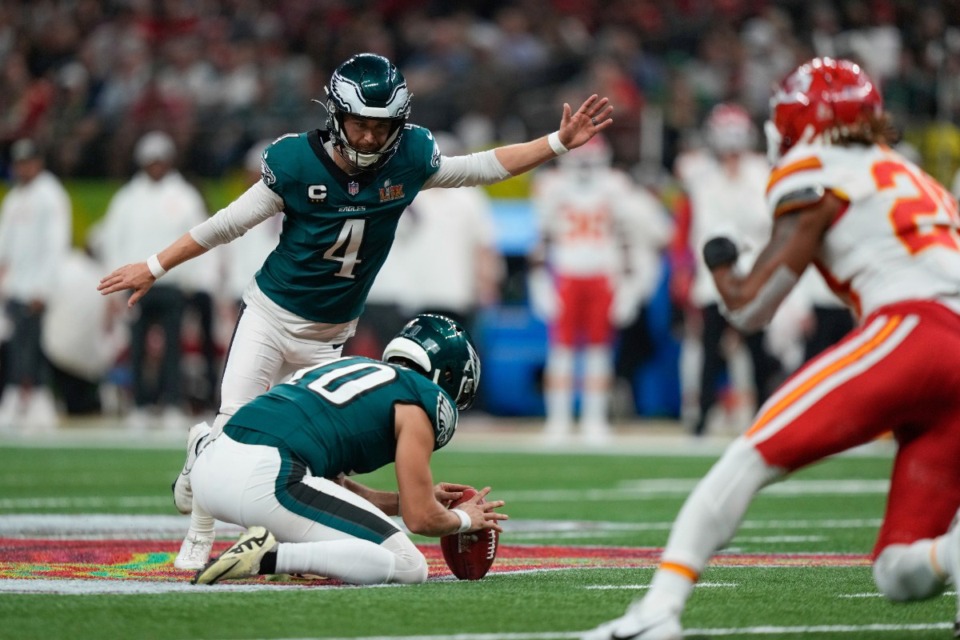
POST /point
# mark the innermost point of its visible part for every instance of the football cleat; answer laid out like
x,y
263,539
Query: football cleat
x,y
242,560
194,552
634,625
197,439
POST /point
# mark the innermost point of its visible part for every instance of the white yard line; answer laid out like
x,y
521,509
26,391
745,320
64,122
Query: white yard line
x,y
628,490
638,587
160,527
753,631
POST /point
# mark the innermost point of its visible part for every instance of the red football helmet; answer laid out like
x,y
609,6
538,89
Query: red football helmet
x,y
595,154
729,129
822,95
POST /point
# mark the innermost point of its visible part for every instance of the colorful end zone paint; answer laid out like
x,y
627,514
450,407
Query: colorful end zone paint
x,y
152,561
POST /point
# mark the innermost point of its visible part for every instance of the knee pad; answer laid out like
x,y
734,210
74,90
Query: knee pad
x,y
411,565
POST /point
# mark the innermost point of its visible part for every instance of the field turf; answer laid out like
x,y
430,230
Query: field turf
x,y
581,544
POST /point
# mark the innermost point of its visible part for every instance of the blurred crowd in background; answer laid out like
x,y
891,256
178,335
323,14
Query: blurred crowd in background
x,y
87,78
89,82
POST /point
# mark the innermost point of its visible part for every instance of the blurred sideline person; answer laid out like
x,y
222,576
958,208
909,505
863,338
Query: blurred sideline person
x,y
464,244
35,230
439,263
585,279
809,320
843,200
724,187
199,335
342,191
244,256
82,339
280,466
829,320
247,253
157,205
388,298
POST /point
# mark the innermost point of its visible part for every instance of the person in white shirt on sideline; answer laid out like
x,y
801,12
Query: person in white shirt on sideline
x,y
157,205
724,183
81,339
247,253
464,243
35,228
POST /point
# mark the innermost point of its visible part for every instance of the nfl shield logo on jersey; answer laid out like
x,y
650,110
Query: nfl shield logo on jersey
x,y
353,188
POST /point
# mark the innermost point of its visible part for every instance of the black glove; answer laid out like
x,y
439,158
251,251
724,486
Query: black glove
x,y
719,252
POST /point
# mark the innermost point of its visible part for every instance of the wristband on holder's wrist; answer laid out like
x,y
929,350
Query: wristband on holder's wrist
x,y
465,522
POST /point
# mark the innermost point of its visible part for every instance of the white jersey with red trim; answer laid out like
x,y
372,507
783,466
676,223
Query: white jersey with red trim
x,y
897,239
589,217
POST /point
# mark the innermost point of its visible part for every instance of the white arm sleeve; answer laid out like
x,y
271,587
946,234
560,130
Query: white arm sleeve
x,y
258,203
755,315
468,171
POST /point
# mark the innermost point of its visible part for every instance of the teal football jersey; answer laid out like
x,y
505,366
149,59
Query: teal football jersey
x,y
338,228
338,417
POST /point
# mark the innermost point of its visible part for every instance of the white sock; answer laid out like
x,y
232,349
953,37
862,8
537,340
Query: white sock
x,y
559,389
943,556
354,561
905,572
707,521
201,523
668,591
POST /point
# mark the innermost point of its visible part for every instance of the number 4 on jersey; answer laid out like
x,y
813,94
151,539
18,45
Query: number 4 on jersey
x,y
346,248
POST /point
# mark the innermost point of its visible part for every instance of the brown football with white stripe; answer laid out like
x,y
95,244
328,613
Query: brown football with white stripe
x,y
470,555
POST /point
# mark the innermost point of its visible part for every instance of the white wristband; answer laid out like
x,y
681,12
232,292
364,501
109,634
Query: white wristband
x,y
153,263
465,522
554,141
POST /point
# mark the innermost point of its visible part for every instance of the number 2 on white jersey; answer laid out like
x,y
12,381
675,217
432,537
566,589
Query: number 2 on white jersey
x,y
928,219
347,246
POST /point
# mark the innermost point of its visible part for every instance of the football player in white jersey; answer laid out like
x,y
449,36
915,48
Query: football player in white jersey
x,y
885,236
588,276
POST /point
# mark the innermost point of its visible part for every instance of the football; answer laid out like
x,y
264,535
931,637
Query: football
x,y
470,555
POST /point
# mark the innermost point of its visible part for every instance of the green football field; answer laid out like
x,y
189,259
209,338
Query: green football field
x,y
88,533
